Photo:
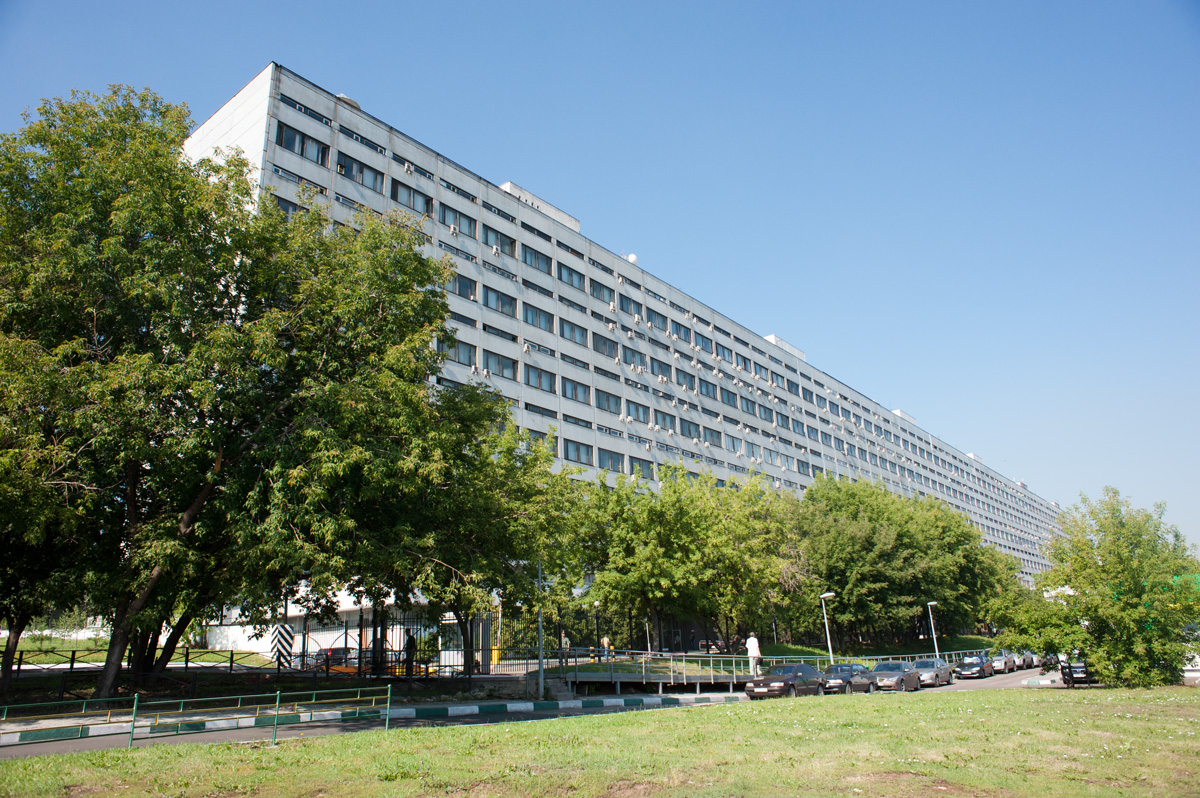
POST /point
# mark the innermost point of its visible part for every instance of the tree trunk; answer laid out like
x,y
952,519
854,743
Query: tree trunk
x,y
17,622
466,630
170,644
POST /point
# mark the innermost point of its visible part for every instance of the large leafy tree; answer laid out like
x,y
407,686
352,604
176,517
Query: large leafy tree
x,y
886,556
248,398
1122,590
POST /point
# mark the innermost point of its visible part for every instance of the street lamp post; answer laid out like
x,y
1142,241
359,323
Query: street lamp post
x,y
932,628
825,615
596,609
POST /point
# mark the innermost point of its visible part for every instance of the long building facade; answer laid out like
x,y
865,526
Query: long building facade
x,y
629,371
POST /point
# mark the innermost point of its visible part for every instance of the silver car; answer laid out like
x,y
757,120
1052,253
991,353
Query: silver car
x,y
1004,661
934,672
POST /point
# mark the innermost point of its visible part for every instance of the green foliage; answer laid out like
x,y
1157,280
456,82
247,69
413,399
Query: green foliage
x,y
1115,594
885,556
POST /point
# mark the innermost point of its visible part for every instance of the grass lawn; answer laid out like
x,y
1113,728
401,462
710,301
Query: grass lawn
x,y
1020,742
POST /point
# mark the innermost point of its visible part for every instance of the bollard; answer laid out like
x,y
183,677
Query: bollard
x,y
133,720
275,725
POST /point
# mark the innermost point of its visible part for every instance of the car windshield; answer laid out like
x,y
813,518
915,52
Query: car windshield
x,y
781,670
972,660
889,666
840,669
925,663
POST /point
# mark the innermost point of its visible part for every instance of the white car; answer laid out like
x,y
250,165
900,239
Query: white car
x,y
1004,661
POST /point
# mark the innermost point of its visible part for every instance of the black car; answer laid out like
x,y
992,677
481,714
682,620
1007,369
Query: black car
x,y
848,679
974,668
1074,670
789,680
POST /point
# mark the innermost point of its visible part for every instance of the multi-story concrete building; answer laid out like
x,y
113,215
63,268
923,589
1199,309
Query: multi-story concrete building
x,y
630,371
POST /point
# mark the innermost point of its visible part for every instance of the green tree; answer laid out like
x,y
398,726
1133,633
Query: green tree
x,y
250,397
886,555
1121,589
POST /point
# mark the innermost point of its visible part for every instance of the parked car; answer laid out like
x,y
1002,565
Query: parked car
x,y
1074,670
1030,659
789,680
896,676
1004,661
335,657
974,668
934,672
848,679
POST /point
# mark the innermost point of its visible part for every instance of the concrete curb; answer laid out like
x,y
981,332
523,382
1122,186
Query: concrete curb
x,y
150,729
640,702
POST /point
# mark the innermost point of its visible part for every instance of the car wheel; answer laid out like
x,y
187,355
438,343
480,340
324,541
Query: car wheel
x,y
870,687
848,689
820,689
792,691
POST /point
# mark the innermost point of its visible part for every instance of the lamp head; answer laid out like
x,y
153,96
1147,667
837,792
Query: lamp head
x,y
931,603
828,595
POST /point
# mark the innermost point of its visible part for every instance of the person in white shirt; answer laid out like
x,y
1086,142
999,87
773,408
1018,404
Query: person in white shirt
x,y
755,655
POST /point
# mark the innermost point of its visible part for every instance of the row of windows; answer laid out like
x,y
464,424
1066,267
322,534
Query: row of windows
x,y
318,152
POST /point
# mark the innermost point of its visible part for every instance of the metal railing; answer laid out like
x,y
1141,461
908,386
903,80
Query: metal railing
x,y
39,723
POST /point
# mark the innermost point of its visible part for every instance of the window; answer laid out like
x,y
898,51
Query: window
x,y
704,342
765,413
685,379
708,389
637,412
725,353
808,394
777,379
464,223
571,277
630,306
762,371
641,468
743,362
539,318
499,301
605,346
813,434
733,444
712,437
793,387
536,231
782,420
459,352
729,397
610,461
577,452
536,259
572,332
359,172
682,332
608,402
664,420
411,198
689,429
656,319
826,439
632,357
288,207
748,405
576,390
494,238
304,145
499,365
539,378
660,369
602,292
753,450
462,287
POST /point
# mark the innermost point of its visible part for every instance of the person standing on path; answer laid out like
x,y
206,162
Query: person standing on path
x,y
606,648
564,649
410,653
755,656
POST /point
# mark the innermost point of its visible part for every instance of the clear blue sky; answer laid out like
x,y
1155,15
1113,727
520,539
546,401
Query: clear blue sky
x,y
985,214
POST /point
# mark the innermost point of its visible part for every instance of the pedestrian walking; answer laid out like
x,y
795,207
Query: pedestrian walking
x,y
755,655
410,653
564,649
606,648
